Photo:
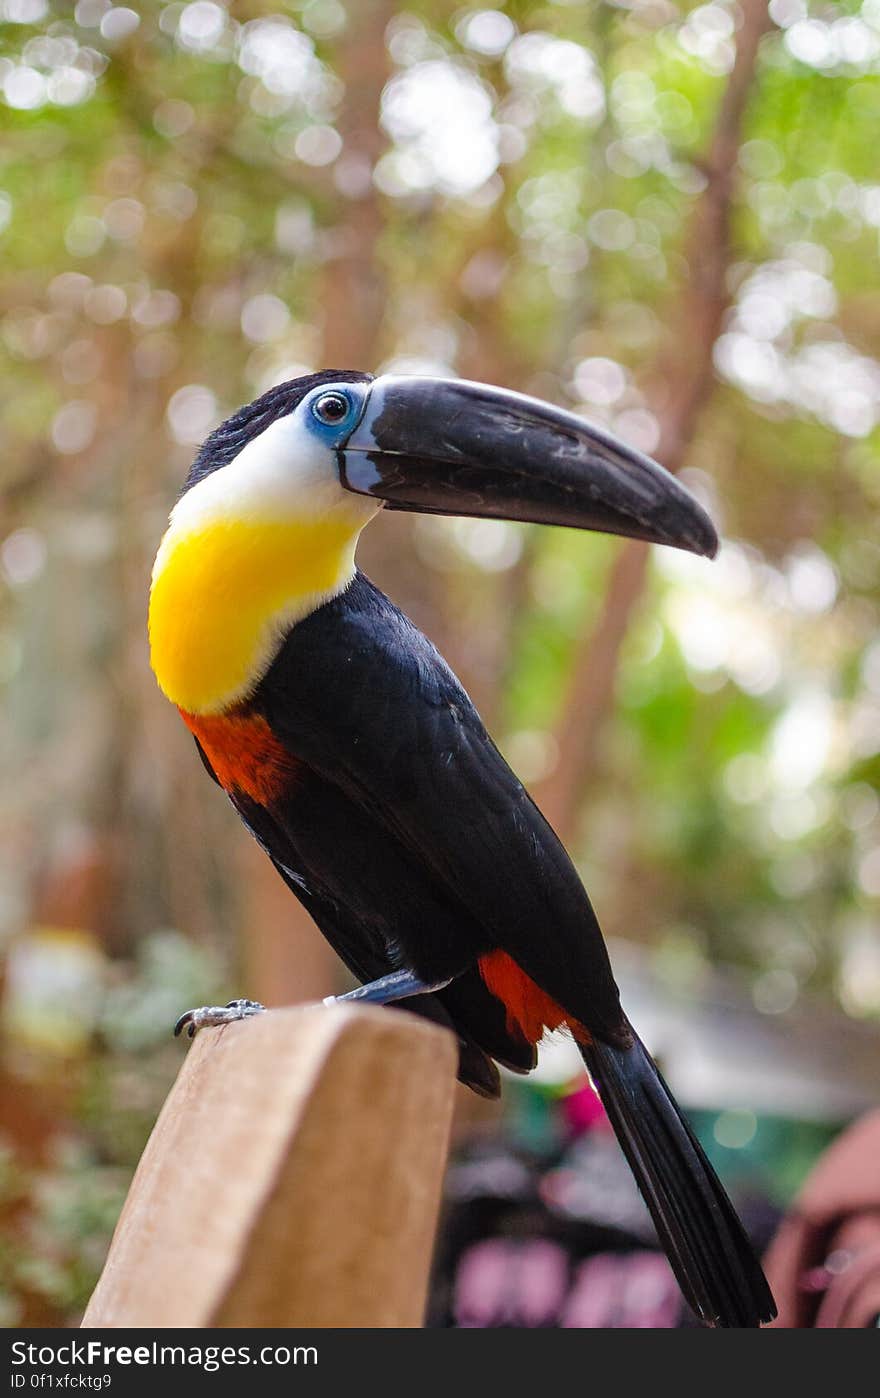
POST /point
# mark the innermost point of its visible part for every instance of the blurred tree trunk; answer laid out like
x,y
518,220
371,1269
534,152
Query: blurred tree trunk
x,y
352,291
684,374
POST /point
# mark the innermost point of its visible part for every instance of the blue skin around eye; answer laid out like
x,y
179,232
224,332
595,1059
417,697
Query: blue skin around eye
x,y
332,432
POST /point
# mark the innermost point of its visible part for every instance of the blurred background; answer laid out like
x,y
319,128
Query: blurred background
x,y
662,215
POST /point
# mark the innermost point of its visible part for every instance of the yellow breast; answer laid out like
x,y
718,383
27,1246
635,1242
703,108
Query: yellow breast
x,y
223,595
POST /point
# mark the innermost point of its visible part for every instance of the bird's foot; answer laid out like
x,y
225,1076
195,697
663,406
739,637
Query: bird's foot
x,y
399,985
209,1015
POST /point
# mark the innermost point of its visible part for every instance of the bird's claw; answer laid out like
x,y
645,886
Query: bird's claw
x,y
206,1016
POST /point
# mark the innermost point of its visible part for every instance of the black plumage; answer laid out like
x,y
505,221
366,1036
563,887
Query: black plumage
x,y
413,845
409,821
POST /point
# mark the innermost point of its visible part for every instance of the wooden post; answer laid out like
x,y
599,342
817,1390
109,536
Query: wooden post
x,y
293,1177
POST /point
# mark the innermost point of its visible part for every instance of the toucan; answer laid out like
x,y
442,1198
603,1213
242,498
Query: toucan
x,y
357,761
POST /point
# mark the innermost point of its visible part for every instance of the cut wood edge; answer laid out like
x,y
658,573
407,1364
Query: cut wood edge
x,y
293,1177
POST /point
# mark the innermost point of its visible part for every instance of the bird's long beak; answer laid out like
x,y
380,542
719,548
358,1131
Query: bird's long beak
x,y
451,447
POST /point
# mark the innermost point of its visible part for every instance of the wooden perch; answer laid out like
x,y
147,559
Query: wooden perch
x,y
293,1177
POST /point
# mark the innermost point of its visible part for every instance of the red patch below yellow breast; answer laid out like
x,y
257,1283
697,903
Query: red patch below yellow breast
x,y
529,1009
245,754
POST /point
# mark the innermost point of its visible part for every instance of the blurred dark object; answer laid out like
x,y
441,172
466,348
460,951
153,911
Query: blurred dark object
x,y
824,1263
511,1258
553,1234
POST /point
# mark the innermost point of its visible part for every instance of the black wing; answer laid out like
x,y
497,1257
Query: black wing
x,y
361,697
465,1002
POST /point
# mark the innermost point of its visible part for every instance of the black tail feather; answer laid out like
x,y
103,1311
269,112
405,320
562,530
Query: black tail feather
x,y
698,1227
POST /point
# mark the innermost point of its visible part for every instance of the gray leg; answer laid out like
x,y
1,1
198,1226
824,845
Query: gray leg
x,y
208,1015
398,986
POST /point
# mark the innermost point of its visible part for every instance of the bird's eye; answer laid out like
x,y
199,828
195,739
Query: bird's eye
x,y
331,408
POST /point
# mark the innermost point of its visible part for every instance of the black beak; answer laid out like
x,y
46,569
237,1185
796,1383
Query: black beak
x,y
451,447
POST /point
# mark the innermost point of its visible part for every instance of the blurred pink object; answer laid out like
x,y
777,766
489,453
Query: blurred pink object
x,y
623,1291
583,1111
510,1281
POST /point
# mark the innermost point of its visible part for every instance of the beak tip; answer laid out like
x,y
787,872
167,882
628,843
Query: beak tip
x,y
702,536
711,546
702,545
